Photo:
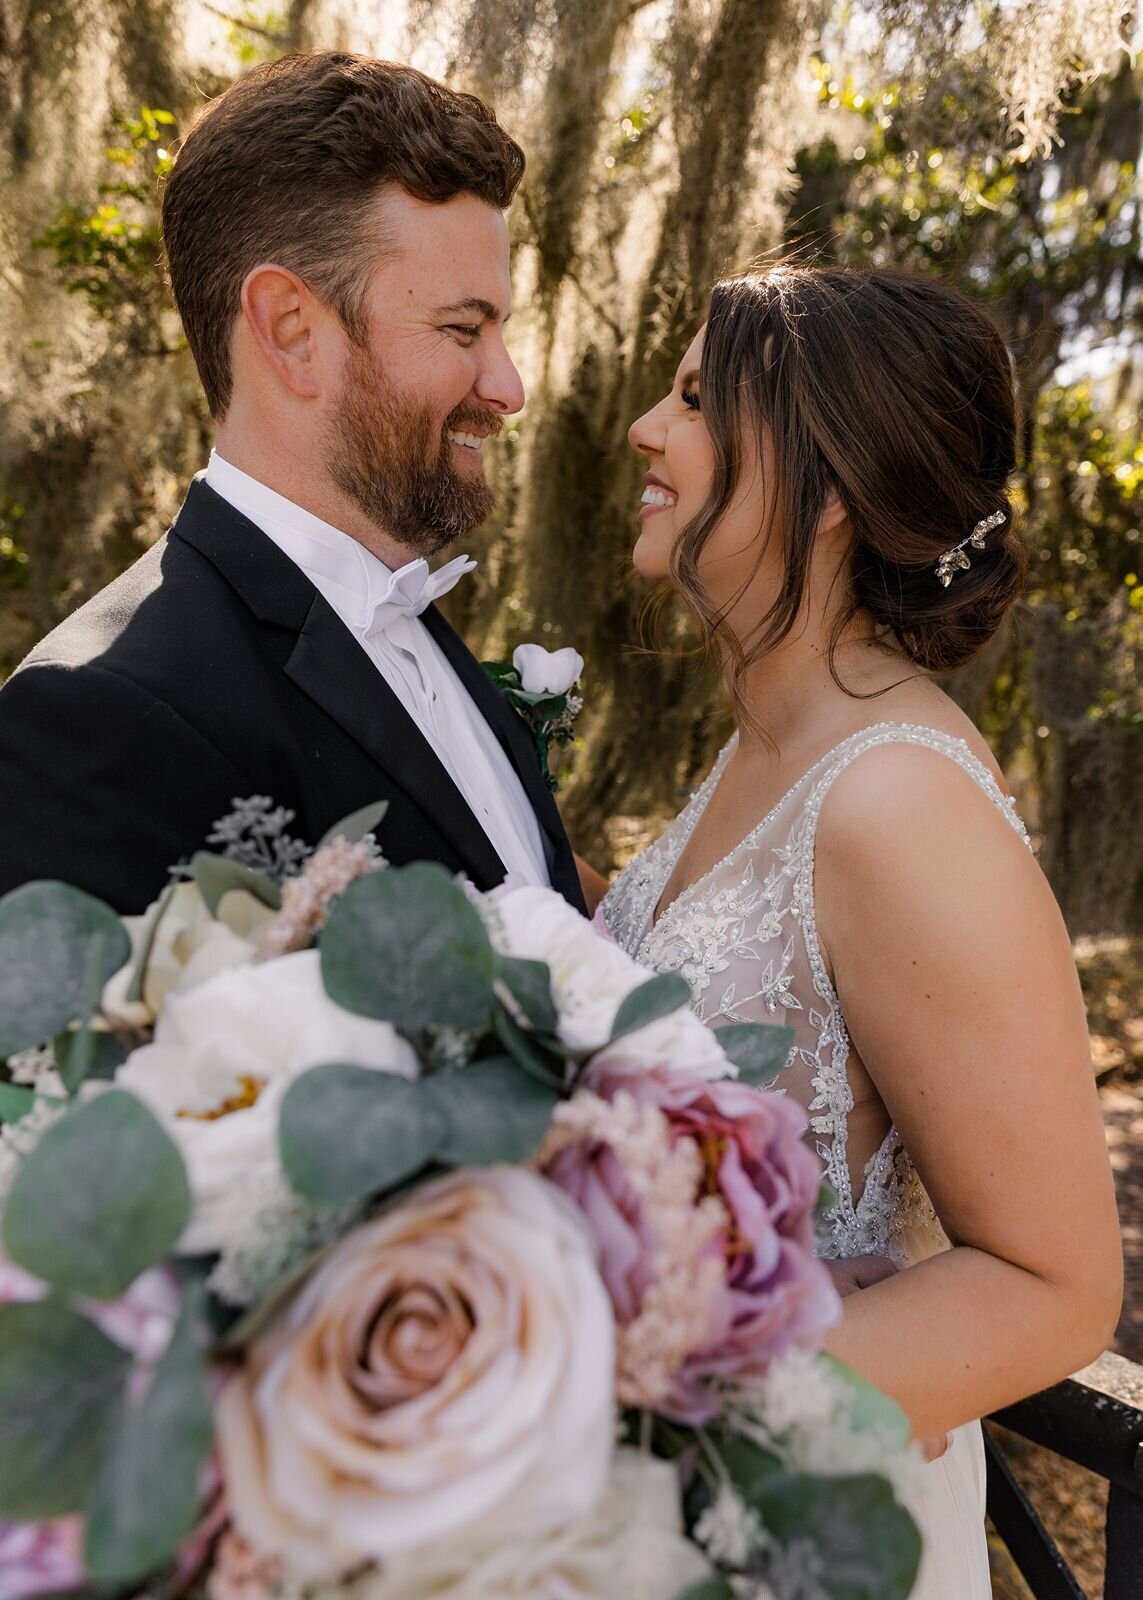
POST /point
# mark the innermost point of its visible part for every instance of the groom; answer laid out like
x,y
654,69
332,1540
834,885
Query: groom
x,y
338,253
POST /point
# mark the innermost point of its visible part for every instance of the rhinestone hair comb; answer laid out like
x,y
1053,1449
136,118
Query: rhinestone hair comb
x,y
956,560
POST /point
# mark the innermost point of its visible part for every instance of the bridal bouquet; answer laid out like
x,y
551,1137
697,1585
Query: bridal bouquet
x,y
365,1238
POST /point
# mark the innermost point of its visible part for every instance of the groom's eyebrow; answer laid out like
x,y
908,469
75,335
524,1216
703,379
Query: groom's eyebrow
x,y
485,307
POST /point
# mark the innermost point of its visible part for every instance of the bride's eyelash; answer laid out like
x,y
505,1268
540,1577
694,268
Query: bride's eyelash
x,y
691,399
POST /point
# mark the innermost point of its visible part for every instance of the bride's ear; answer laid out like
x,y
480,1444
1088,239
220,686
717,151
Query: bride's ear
x,y
834,515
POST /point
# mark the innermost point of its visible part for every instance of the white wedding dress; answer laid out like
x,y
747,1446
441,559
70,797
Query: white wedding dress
x,y
745,937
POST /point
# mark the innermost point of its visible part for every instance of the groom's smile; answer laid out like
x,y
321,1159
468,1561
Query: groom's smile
x,y
434,380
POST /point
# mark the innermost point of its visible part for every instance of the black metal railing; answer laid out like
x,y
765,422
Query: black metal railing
x,y
1096,1420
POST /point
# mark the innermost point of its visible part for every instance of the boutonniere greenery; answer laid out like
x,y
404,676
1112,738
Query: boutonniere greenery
x,y
543,686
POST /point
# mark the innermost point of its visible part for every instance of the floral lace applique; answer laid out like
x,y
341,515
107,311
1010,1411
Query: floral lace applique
x,y
751,924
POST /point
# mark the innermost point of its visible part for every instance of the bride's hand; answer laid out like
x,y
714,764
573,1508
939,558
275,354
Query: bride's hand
x,y
859,1272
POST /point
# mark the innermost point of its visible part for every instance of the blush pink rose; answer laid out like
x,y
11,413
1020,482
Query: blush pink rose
x,y
752,1158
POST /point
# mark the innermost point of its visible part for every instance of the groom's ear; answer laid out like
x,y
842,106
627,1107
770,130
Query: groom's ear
x,y
282,315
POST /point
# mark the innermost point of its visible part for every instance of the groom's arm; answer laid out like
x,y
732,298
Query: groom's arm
x,y
102,784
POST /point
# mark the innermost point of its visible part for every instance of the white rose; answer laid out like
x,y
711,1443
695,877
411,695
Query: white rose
x,y
630,1546
591,976
447,1370
189,946
223,1056
547,671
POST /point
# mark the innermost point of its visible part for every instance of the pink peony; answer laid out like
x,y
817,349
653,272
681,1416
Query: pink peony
x,y
747,1158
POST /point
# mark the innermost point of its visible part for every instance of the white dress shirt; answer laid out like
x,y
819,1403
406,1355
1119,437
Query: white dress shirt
x,y
407,656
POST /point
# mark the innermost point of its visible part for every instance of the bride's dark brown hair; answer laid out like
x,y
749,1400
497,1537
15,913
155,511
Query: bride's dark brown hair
x,y
894,392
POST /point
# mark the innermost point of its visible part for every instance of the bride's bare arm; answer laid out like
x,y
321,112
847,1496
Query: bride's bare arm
x,y
955,976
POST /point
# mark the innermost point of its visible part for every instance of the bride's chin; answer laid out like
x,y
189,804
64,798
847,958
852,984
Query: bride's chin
x,y
651,557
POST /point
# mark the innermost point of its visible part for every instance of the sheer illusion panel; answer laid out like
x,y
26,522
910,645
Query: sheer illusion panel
x,y
745,937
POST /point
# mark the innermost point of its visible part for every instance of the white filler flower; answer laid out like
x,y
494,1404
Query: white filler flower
x,y
591,976
223,1056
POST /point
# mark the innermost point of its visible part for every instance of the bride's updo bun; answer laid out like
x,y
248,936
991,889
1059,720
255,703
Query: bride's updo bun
x,y
894,392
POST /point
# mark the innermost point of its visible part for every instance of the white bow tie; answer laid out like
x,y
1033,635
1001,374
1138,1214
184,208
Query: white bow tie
x,y
411,589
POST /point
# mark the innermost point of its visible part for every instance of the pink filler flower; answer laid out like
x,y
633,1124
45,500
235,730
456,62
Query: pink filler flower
x,y
748,1154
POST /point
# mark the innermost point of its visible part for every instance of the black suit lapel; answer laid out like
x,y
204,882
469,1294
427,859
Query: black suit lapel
x,y
329,666
516,741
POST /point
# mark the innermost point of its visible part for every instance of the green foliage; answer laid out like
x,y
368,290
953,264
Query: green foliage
x,y
218,875
349,1133
650,1002
146,1495
391,935
109,252
14,564
850,1532
346,1133
758,1049
493,1112
60,1384
58,947
101,1197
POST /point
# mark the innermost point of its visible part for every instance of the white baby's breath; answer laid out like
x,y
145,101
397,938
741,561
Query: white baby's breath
x,y
729,1530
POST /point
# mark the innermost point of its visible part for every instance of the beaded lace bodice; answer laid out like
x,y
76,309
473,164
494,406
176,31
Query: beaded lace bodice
x,y
745,937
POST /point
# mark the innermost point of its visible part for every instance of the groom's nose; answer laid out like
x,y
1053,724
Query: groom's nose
x,y
499,386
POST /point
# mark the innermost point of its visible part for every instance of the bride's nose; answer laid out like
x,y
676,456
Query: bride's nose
x,y
645,435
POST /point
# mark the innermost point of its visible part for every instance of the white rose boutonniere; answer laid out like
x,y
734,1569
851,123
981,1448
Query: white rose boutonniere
x,y
547,671
542,686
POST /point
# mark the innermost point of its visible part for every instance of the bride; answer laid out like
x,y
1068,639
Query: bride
x,y
828,492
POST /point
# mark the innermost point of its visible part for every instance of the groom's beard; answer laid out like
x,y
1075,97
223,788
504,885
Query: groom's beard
x,y
395,461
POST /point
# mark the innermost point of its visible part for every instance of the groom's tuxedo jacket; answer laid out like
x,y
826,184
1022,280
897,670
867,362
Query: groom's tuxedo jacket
x,y
211,671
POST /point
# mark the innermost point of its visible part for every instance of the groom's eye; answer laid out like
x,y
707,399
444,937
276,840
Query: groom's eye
x,y
467,330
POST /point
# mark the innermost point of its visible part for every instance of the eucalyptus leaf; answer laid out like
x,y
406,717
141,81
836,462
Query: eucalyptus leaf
x,y
868,1409
749,1466
60,1385
528,1053
102,1197
530,985
146,1494
217,875
356,825
868,1545
651,1001
86,1052
58,947
758,1049
155,915
492,1111
347,1132
16,1101
715,1588
406,946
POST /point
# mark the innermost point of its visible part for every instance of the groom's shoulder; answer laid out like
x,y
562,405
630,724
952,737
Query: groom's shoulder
x,y
173,610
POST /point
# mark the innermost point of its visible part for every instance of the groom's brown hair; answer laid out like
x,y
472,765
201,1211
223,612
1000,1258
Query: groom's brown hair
x,y
283,167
